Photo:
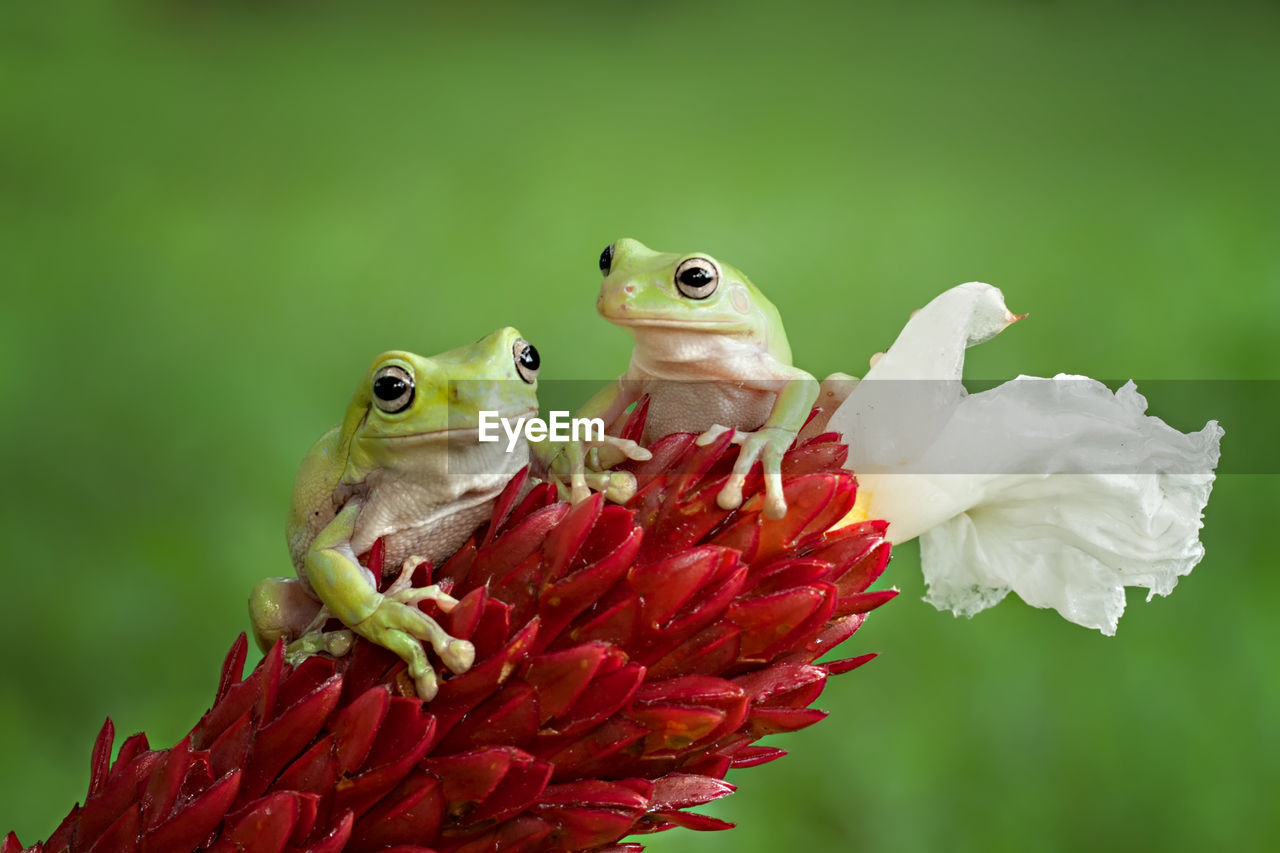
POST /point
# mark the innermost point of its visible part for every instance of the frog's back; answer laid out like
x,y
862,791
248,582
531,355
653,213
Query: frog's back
x,y
312,507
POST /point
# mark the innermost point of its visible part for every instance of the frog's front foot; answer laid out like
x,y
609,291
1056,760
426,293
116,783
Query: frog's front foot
x,y
580,468
618,486
397,624
769,445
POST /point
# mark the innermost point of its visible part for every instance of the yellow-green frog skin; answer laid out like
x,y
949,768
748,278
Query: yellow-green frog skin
x,y
405,465
710,352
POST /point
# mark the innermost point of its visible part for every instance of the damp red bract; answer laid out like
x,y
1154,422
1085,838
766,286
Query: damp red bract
x,y
627,658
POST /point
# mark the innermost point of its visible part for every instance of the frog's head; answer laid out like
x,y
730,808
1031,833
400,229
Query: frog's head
x,y
693,292
408,404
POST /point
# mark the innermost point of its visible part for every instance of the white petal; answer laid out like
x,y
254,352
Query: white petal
x,y
1056,489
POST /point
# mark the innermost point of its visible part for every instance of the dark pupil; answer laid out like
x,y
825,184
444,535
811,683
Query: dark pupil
x,y
389,387
606,259
695,277
529,358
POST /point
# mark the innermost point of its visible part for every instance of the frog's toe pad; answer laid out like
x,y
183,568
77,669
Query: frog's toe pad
x,y
458,655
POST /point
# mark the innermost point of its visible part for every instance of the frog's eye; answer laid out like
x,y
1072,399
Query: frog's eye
x,y
697,278
527,360
392,389
606,259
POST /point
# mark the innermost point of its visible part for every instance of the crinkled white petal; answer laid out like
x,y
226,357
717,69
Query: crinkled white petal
x,y
1056,489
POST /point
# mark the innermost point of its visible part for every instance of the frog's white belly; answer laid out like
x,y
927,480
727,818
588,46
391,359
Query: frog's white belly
x,y
436,539
683,406
424,523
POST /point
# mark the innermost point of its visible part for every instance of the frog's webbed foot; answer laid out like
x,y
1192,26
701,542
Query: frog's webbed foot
x,y
769,445
397,624
313,642
580,468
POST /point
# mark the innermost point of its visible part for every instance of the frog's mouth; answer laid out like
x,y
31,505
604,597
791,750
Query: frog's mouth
x,y
711,325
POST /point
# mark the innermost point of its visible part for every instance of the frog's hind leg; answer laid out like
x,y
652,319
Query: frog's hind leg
x,y
284,608
281,607
403,628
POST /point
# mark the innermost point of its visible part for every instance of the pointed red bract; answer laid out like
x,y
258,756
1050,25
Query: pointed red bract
x,y
627,658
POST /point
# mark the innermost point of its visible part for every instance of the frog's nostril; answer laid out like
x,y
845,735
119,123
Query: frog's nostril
x,y
629,289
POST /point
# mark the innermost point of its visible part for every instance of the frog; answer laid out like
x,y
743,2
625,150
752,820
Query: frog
x,y
406,466
711,353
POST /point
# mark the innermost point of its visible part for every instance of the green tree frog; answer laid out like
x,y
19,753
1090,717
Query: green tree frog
x,y
405,465
711,354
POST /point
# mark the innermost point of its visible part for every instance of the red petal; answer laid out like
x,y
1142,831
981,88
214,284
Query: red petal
x,y
839,667
768,620
100,763
187,828
305,678
711,650
560,603
231,748
463,692
753,756
864,602
464,619
518,790
164,784
863,571
597,748
404,739
699,822
132,747
240,697
807,497
615,625
608,694
120,794
633,429
471,776
560,677
562,542
315,770
121,836
356,726
503,505
265,825
685,790
414,810
768,721
232,667
269,671
336,840
816,456
665,586
783,686
281,741
508,717
516,544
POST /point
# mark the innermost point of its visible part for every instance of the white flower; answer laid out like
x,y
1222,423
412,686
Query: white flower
x,y
1055,489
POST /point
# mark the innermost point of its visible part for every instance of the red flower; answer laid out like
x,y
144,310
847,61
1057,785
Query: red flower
x,y
627,658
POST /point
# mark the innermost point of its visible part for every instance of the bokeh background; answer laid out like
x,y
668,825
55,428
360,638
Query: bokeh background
x,y
213,215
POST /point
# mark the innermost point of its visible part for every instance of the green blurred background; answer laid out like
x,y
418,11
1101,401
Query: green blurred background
x,y
213,215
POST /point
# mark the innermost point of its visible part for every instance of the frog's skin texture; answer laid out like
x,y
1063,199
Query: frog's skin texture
x,y
404,465
710,352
